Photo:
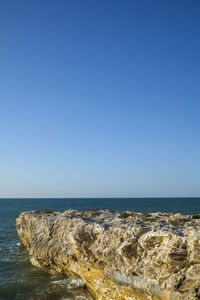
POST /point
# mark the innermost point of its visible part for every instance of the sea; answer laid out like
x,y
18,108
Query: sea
x,y
20,280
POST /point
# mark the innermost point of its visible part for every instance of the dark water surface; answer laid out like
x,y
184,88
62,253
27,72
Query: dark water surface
x,y
20,280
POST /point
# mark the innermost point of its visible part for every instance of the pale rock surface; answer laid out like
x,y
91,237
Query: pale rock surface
x,y
118,255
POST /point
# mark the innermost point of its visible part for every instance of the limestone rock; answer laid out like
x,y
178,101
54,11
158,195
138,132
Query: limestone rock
x,y
118,255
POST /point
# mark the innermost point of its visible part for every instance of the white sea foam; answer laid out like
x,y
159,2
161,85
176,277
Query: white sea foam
x,y
60,281
74,283
70,283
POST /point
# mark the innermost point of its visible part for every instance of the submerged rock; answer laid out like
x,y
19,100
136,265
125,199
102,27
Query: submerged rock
x,y
117,255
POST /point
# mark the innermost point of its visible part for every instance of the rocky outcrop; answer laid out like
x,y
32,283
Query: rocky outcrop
x,y
118,255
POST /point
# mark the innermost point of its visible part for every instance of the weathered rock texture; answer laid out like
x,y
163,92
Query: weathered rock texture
x,y
118,255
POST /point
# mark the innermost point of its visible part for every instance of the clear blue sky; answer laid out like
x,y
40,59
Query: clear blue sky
x,y
99,98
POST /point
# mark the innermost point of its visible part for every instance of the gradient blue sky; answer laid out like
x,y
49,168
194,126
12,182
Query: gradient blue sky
x,y
99,98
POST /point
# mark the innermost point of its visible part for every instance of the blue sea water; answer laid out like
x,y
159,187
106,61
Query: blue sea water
x,y
20,280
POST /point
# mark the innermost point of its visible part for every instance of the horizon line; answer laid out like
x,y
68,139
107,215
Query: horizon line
x,y
140,197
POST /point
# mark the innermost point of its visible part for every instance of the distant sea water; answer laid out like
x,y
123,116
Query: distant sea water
x,y
20,280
